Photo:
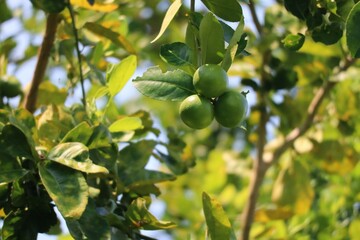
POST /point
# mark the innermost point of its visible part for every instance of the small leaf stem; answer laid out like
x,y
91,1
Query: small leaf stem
x,y
76,36
192,5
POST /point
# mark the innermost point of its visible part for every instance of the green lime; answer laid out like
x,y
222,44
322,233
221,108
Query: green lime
x,y
210,80
196,112
230,109
50,6
10,87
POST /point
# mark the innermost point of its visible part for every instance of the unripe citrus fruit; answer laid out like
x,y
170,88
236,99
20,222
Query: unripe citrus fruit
x,y
230,109
210,80
10,88
196,112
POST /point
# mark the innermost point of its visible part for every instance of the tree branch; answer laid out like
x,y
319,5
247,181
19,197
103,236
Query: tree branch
x,y
255,17
311,113
43,59
256,180
192,5
260,166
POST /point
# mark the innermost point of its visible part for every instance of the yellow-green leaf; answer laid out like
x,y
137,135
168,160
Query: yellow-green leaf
x,y
219,226
76,156
114,37
138,214
233,46
126,124
293,189
119,74
66,187
270,214
170,14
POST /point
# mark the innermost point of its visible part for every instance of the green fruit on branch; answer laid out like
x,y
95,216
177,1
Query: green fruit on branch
x,y
10,88
50,6
230,109
196,112
210,80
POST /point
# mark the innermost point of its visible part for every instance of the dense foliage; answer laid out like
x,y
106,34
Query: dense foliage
x,y
288,171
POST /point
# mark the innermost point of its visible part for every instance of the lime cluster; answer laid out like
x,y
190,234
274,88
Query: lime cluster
x,y
213,100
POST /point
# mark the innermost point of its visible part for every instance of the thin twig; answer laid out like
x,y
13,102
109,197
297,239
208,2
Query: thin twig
x,y
43,59
76,36
255,17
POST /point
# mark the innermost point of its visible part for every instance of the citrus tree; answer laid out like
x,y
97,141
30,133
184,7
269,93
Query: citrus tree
x,y
251,112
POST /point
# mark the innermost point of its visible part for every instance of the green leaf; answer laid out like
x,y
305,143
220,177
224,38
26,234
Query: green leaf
x,y
299,8
147,123
169,86
272,214
101,137
114,37
192,36
242,42
294,41
173,162
5,12
335,157
170,14
126,124
212,42
25,122
66,187
76,156
328,33
352,31
293,189
137,154
105,156
84,227
118,74
229,10
232,49
133,178
177,54
14,143
284,78
50,94
51,125
219,226
354,228
140,217
80,133
17,225
10,172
